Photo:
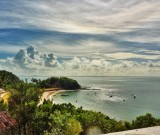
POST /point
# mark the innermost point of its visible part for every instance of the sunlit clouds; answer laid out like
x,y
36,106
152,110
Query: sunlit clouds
x,y
81,37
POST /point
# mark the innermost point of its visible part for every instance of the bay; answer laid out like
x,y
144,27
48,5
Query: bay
x,y
122,98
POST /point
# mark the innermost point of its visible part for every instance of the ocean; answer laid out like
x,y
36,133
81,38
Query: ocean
x,y
122,98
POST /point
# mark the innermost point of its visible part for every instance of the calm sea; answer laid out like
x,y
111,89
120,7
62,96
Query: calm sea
x,y
122,98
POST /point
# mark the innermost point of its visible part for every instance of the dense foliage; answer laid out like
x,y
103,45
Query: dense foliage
x,y
65,119
62,82
22,105
7,78
60,119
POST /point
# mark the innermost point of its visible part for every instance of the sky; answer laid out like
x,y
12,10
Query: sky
x,y
80,37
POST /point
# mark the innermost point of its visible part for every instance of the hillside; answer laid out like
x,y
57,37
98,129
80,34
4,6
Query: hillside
x,y
57,82
7,78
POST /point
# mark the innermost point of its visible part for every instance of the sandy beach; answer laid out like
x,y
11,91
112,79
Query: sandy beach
x,y
49,93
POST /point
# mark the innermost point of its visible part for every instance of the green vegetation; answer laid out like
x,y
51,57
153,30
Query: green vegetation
x,y
145,121
62,82
7,78
59,119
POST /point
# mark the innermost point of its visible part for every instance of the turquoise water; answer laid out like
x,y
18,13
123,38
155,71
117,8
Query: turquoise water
x,y
114,96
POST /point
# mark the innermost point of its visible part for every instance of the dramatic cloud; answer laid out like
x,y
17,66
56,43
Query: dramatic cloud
x,y
33,62
84,16
88,37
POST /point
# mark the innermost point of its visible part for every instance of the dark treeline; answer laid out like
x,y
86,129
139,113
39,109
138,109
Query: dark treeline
x,y
60,119
60,82
7,78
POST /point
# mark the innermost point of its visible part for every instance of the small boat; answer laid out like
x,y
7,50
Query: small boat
x,y
64,95
134,96
95,89
110,96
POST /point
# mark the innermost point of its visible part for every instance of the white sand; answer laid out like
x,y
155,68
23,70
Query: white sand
x,y
48,95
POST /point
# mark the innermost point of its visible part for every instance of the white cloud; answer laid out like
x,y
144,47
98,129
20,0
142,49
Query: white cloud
x,y
142,39
84,16
113,21
32,62
107,24
122,55
9,48
81,48
150,52
30,59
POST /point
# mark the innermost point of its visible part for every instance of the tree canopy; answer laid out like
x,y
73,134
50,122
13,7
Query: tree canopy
x,y
7,78
61,82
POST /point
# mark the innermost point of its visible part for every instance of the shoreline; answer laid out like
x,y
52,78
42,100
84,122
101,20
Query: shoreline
x,y
49,93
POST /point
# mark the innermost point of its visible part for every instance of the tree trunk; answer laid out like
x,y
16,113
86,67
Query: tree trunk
x,y
19,129
24,129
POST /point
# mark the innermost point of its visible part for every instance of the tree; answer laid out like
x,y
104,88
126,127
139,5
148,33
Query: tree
x,y
3,107
22,104
7,78
62,82
144,121
68,83
72,127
